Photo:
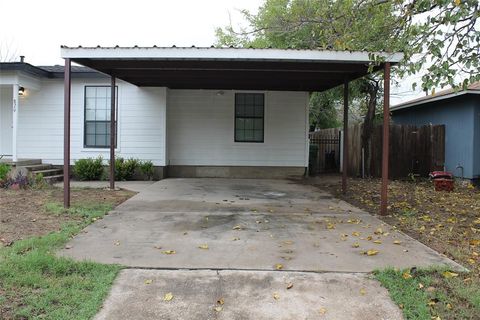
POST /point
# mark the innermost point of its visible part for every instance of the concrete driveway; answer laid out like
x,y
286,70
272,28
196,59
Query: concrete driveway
x,y
206,238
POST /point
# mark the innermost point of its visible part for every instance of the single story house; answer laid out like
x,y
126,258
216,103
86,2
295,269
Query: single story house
x,y
194,112
459,111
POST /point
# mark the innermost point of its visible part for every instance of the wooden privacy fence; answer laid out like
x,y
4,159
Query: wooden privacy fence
x,y
413,150
324,151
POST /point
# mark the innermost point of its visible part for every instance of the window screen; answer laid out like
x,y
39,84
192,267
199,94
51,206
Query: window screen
x,y
249,116
97,116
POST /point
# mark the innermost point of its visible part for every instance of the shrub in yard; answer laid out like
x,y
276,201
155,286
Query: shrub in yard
x,y
4,170
19,180
147,169
88,169
125,169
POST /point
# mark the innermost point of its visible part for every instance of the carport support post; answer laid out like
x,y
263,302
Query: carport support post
x,y
345,138
112,134
385,139
66,133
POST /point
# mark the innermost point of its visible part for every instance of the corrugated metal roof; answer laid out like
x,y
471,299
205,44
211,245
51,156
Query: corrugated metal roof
x,y
444,94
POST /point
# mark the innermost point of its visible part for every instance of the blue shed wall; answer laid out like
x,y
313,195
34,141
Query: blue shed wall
x,y
460,115
476,139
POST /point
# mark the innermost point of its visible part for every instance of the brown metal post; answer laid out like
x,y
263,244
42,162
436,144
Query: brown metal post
x,y
67,81
112,135
345,138
386,133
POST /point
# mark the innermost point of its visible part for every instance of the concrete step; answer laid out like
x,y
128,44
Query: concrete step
x,y
24,162
38,167
53,179
48,172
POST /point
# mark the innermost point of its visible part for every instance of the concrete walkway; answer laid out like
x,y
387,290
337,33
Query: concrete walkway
x,y
246,230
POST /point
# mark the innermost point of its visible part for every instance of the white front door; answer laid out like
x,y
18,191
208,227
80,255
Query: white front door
x,y
6,119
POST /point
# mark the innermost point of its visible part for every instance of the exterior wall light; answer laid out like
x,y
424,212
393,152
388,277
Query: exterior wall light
x,y
21,91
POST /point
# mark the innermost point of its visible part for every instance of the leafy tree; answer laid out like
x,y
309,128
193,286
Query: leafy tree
x,y
438,37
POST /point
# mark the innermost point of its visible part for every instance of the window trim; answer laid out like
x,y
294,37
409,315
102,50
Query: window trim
x,y
106,147
235,116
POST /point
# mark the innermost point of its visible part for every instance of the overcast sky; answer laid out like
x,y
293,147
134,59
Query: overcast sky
x,y
37,28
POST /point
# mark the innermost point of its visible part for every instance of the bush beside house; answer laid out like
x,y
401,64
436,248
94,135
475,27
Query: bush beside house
x,y
125,169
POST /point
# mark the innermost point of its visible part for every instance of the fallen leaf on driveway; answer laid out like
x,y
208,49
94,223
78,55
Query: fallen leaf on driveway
x,y
379,231
322,310
370,252
363,291
169,252
279,266
157,247
288,242
276,296
356,234
117,243
203,246
397,242
148,281
238,227
221,301
218,308
378,241
235,239
356,245
168,297
289,286
330,226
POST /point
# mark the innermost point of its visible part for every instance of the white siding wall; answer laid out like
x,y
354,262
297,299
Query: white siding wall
x,y
201,130
6,118
142,115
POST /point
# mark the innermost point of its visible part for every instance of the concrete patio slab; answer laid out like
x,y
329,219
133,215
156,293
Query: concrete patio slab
x,y
247,225
139,294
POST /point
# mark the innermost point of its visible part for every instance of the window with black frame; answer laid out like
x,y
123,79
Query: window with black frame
x,y
249,117
97,116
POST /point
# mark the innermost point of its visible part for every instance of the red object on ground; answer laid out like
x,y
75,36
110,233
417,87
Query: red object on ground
x,y
443,184
441,175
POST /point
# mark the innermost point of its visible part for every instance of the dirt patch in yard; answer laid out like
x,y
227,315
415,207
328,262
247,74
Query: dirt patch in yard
x,y
23,213
448,222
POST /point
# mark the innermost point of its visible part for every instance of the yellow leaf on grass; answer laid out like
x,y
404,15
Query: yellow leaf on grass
x,y
203,246
169,252
279,266
168,296
458,2
475,242
406,275
448,274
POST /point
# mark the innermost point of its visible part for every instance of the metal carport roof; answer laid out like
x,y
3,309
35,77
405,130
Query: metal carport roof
x,y
230,68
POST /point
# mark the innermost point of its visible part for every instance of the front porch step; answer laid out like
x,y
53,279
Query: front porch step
x,y
53,179
48,172
38,167
22,162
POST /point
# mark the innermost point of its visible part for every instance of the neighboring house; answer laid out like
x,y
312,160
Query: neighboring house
x,y
459,111
198,112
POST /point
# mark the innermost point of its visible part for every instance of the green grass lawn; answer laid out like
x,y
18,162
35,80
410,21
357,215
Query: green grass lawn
x,y
35,284
433,293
